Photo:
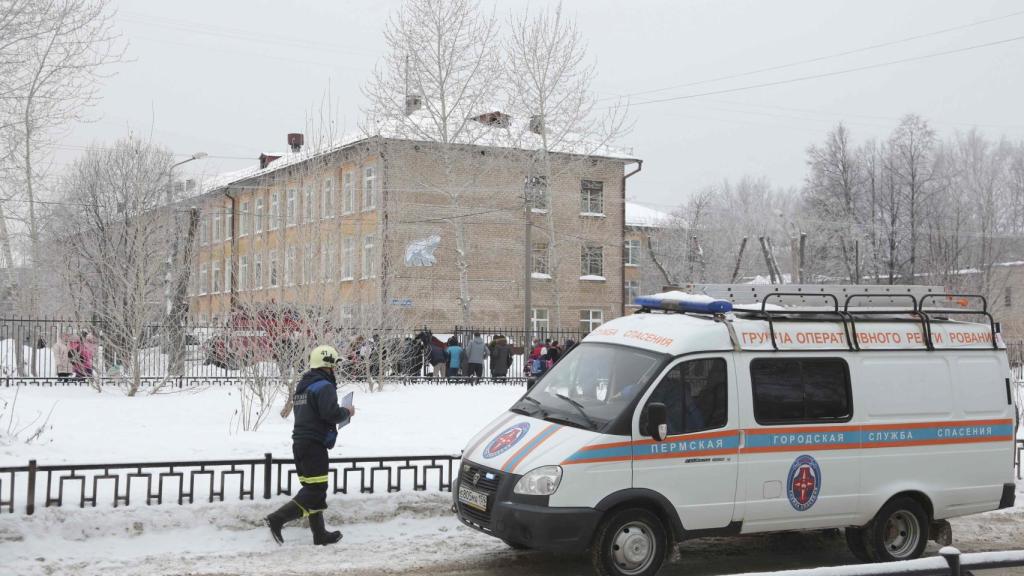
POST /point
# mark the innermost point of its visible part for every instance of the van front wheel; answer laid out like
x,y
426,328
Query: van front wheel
x,y
630,542
898,532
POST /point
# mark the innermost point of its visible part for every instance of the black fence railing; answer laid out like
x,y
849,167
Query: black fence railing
x,y
23,487
77,350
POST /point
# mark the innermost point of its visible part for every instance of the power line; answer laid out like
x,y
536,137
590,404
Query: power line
x,y
824,74
818,58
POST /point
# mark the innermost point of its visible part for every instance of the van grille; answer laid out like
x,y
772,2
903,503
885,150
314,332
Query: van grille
x,y
481,480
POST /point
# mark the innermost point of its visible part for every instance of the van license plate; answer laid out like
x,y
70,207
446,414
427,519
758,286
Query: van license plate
x,y
473,498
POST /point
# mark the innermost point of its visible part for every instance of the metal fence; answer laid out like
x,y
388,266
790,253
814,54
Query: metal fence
x,y
55,352
23,487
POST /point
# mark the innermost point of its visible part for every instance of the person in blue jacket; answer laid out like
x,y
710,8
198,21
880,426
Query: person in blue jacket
x,y
317,416
454,354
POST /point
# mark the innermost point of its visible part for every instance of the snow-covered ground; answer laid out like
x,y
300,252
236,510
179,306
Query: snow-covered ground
x,y
109,427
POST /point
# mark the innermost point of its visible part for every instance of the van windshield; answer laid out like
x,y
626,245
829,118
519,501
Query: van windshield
x,y
591,385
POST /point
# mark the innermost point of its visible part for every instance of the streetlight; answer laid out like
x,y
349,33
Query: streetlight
x,y
169,292
170,171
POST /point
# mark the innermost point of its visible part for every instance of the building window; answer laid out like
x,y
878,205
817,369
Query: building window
x,y
540,321
327,199
291,208
258,217
229,224
273,268
695,395
290,260
592,262
327,259
1008,297
348,257
590,319
204,279
797,390
204,230
368,257
244,217
540,258
227,275
632,252
257,270
632,291
216,277
536,191
369,188
348,192
307,264
243,273
309,203
275,210
217,226
592,197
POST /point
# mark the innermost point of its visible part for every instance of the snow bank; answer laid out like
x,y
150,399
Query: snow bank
x,y
108,427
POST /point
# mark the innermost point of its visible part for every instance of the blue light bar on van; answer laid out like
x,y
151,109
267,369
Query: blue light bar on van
x,y
698,305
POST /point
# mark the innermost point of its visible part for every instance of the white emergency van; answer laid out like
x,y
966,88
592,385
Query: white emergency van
x,y
883,410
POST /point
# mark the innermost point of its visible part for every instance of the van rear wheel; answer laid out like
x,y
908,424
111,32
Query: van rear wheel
x,y
898,532
629,542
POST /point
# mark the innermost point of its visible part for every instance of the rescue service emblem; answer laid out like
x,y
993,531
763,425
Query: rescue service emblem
x,y
507,439
803,483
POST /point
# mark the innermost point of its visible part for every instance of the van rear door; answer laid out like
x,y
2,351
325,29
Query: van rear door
x,y
695,467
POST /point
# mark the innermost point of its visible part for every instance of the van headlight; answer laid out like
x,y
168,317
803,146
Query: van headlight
x,y
541,481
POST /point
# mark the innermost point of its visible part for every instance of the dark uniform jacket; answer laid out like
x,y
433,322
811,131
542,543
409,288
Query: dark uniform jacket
x,y
317,413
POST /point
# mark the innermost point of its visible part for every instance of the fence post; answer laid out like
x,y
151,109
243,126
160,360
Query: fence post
x,y
952,556
266,475
30,506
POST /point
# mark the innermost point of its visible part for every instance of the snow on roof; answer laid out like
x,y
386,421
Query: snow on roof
x,y
640,216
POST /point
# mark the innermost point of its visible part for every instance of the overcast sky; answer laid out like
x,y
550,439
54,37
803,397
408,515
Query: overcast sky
x,y
232,77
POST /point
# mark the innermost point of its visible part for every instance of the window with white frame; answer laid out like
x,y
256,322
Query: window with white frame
x,y
348,193
591,197
540,258
290,260
257,270
229,224
348,257
540,321
590,319
632,291
291,208
258,216
632,252
309,203
227,275
369,257
243,273
217,225
592,261
215,289
204,230
327,259
244,218
272,269
327,199
275,210
204,279
536,190
307,263
369,187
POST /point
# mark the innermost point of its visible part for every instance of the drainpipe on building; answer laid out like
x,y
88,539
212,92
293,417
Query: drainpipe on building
x,y
233,261
622,240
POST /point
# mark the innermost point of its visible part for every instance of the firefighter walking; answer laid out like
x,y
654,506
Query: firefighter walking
x,y
317,416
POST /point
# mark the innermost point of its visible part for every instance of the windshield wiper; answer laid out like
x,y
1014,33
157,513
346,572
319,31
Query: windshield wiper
x,y
535,403
579,408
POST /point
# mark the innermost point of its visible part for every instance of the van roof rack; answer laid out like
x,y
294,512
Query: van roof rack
x,y
848,303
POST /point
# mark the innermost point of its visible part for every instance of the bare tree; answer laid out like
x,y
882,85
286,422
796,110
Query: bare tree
x,y
440,74
113,230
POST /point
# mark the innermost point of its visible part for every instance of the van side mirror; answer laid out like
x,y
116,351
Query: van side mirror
x,y
657,421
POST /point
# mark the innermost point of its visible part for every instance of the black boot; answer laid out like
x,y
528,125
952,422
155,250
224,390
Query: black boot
x,y
283,515
321,536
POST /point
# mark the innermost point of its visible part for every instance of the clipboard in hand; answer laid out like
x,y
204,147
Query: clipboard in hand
x,y
346,402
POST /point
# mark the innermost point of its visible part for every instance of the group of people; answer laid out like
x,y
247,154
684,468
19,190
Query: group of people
x,y
452,360
544,354
73,355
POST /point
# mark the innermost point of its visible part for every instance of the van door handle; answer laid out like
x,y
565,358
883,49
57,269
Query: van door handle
x,y
743,439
